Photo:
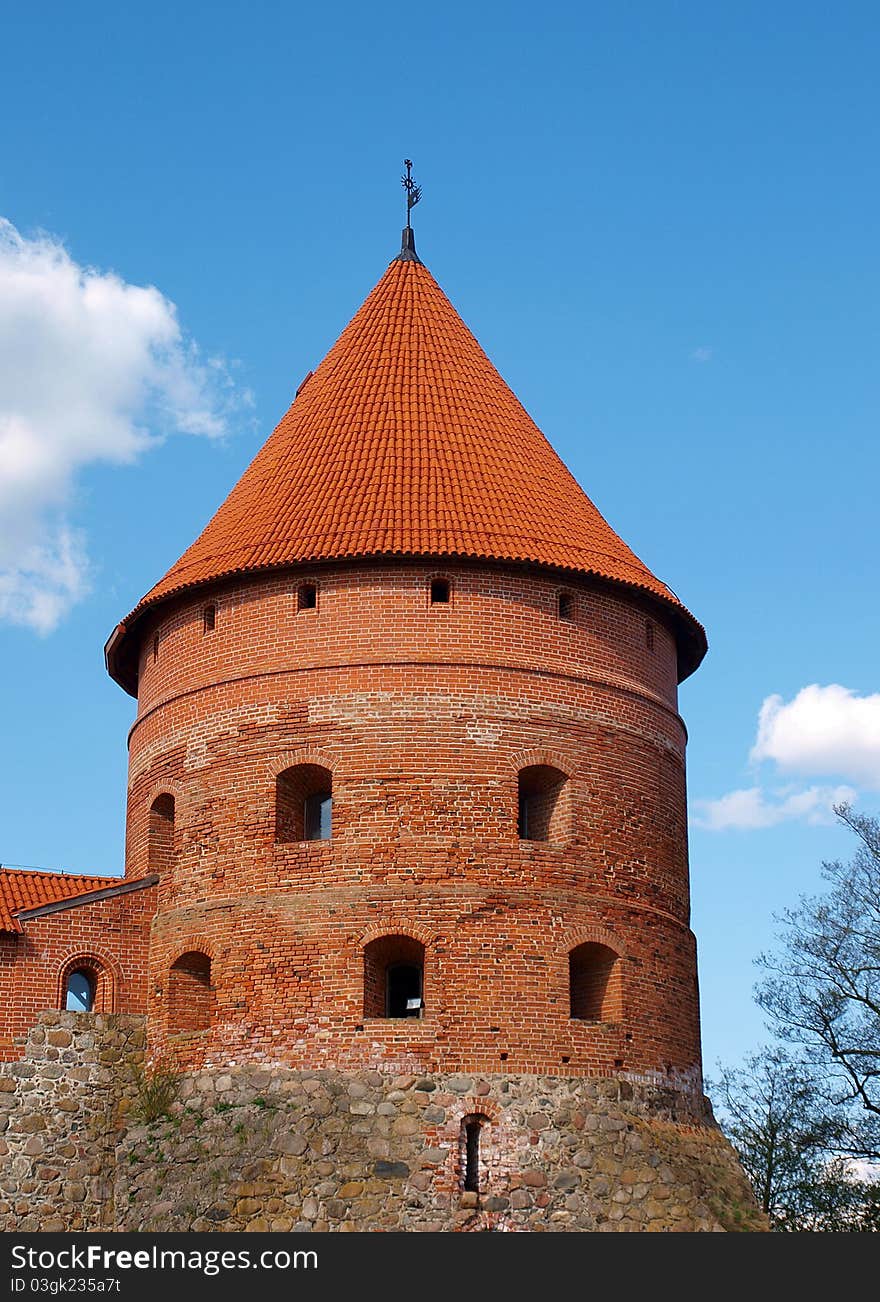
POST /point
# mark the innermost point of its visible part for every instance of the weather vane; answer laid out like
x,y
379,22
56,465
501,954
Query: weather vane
x,y
413,191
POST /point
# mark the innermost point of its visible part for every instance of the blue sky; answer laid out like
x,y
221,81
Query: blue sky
x,y
658,219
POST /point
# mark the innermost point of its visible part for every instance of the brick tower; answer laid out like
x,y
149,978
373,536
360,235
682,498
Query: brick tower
x,y
407,757
406,840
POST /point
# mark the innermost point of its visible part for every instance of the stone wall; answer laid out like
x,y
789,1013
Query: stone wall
x,y
61,1109
257,1149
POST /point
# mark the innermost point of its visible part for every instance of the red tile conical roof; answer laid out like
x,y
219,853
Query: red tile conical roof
x,y
407,442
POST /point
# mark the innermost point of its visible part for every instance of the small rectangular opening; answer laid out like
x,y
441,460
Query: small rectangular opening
x,y
317,817
307,596
156,647
440,592
565,606
209,619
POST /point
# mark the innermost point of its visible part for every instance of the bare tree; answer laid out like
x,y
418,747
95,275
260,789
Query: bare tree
x,y
822,991
768,1109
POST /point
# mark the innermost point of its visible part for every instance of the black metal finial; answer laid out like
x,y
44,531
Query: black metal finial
x,y
413,191
413,195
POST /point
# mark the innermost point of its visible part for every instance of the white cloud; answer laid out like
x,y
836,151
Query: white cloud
x,y
702,354
752,807
822,731
91,369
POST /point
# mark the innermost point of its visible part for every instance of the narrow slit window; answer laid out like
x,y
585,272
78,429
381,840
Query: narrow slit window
x,y
307,596
649,635
472,1156
440,592
156,648
209,619
565,606
473,1167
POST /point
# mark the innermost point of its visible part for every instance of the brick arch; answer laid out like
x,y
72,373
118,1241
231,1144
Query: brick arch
x,y
574,936
554,759
396,927
473,1105
106,971
306,755
170,788
197,944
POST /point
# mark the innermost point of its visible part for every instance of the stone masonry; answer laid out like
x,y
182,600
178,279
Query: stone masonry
x,y
273,1149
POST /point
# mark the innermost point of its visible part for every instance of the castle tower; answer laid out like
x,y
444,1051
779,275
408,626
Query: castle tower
x,y
407,759
406,894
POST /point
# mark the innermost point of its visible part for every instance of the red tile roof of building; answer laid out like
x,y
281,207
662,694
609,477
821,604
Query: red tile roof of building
x,y
22,888
407,442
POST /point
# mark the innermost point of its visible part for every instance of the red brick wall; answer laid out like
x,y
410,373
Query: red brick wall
x,y
424,714
108,937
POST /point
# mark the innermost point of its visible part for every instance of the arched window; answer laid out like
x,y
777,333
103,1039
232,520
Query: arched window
x,y
394,968
190,993
470,1151
543,804
304,804
160,834
79,991
441,592
307,596
594,983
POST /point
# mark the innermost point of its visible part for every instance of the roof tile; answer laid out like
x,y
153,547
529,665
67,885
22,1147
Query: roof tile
x,y
406,441
27,889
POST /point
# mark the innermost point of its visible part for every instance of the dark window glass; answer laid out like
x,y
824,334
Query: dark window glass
x,y
404,998
317,820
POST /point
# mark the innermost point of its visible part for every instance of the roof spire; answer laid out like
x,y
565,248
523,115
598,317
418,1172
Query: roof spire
x,y
413,195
